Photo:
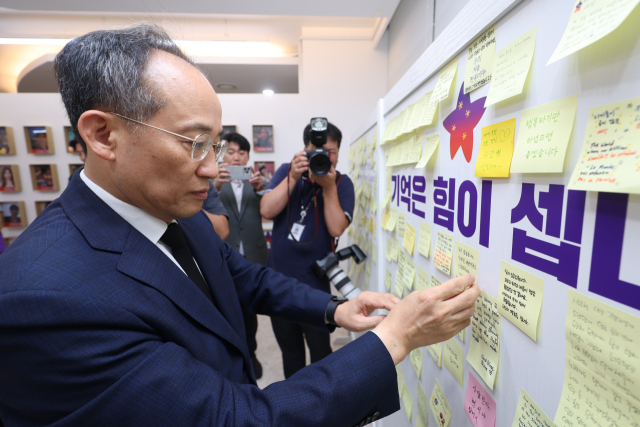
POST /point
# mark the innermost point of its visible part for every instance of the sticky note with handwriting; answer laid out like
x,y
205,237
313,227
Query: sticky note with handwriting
x,y
393,219
416,361
409,272
529,413
479,405
422,420
388,249
423,280
480,56
439,406
460,335
511,67
589,21
520,298
484,351
610,151
401,380
443,86
407,401
409,241
385,218
543,137
395,249
467,259
402,224
430,146
424,239
496,150
388,280
435,350
428,110
434,281
443,252
453,356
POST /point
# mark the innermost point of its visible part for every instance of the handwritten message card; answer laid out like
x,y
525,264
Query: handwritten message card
x,y
435,350
529,413
479,405
589,22
422,420
466,261
409,241
424,112
424,239
443,252
610,156
385,218
435,281
416,361
423,280
511,67
388,280
429,148
387,249
402,224
395,249
480,56
496,150
484,351
454,359
606,341
520,298
398,289
407,401
393,219
439,406
443,86
543,137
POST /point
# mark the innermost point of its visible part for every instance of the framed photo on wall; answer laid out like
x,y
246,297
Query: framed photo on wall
x,y
14,214
45,177
266,169
10,178
263,138
70,139
228,129
41,206
7,143
39,140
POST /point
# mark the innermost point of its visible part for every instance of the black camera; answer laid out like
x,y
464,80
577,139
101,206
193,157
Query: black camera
x,y
329,266
319,158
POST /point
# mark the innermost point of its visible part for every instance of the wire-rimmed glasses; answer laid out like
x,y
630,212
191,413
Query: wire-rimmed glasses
x,y
201,143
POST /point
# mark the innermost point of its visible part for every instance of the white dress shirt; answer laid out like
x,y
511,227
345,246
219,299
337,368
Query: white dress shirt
x,y
149,226
237,187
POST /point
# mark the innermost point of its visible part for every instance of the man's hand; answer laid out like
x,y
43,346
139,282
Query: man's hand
x,y
327,182
429,316
298,166
256,181
354,315
223,176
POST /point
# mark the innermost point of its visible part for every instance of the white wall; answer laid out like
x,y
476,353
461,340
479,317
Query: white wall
x,y
340,79
445,11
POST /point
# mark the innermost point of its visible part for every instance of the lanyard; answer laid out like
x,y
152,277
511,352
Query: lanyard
x,y
303,209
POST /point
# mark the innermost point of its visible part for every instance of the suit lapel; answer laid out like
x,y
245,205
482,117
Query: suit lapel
x,y
227,192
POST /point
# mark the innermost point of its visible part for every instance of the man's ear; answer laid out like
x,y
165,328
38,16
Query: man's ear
x,y
100,131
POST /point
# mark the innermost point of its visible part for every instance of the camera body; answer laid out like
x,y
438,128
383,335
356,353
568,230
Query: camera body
x,y
319,158
329,266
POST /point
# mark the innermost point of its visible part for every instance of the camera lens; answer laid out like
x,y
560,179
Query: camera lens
x,y
320,164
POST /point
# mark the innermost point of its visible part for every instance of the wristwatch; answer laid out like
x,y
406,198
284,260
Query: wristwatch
x,y
331,309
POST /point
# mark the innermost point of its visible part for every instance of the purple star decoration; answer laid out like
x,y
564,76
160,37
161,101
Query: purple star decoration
x,y
461,122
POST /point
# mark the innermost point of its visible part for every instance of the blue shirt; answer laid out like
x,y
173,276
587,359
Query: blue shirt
x,y
290,258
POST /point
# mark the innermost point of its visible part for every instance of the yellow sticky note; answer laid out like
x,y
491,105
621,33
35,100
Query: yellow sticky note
x,y
430,146
460,335
416,361
407,401
385,218
424,239
386,201
480,56
529,413
402,224
423,280
388,280
439,406
422,420
434,281
443,86
395,249
520,298
543,137
388,249
606,341
496,150
393,219
588,397
453,356
510,68
589,22
400,274
443,252
467,259
401,380
409,241
435,350
409,272
609,157
398,287
484,351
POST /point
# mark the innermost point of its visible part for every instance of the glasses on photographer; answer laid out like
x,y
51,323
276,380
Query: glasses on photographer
x,y
201,144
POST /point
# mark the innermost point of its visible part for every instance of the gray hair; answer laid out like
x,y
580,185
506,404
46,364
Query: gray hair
x,y
106,70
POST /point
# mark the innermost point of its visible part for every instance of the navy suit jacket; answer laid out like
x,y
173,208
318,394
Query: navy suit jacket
x,y
99,328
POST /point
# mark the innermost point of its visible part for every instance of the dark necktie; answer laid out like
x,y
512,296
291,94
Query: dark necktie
x,y
174,238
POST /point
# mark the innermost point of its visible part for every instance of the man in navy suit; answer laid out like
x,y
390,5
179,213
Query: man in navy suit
x,y
120,305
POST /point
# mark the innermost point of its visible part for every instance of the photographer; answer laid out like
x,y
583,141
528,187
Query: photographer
x,y
319,210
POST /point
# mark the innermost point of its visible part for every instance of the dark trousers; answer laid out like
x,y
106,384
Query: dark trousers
x,y
250,329
291,336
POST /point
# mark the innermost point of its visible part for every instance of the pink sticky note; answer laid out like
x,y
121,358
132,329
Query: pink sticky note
x,y
479,405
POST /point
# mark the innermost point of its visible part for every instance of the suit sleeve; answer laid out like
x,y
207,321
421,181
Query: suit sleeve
x,y
72,360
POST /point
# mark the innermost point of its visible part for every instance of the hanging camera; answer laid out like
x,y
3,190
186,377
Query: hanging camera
x,y
319,158
330,266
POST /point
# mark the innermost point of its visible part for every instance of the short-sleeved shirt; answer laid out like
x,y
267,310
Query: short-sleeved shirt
x,y
213,204
290,258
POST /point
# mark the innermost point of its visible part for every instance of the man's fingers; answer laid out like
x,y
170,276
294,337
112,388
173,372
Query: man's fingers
x,y
370,322
378,300
455,286
464,300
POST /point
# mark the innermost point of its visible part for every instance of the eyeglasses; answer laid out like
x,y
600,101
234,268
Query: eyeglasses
x,y
201,143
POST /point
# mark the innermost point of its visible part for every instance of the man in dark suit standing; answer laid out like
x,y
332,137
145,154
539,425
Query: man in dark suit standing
x,y
121,306
242,200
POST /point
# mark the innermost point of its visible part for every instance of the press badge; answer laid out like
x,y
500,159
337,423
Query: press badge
x,y
296,231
